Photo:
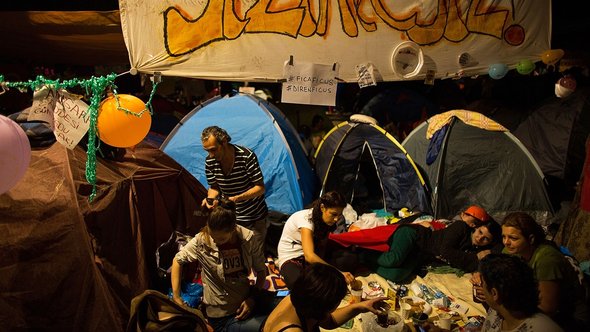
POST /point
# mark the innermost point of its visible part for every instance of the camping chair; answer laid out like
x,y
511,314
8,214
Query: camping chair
x,y
154,311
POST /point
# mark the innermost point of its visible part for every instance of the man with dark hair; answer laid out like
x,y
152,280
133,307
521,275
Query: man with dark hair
x,y
233,172
512,294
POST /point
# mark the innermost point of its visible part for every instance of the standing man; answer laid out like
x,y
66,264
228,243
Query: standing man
x,y
233,172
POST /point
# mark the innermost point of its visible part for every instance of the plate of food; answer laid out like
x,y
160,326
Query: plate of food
x,y
417,304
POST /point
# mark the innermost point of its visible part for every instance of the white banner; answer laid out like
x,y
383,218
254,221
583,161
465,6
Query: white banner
x,y
249,40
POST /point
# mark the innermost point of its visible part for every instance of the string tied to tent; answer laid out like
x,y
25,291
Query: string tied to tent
x,y
96,87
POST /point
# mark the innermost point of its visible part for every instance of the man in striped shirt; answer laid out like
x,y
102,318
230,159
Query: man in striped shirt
x,y
233,172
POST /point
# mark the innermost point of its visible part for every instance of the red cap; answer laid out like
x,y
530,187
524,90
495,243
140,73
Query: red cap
x,y
477,213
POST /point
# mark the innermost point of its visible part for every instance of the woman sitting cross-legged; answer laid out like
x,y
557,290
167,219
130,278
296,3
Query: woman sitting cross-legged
x,y
313,303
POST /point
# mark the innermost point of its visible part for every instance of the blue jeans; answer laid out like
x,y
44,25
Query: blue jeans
x,y
265,304
231,324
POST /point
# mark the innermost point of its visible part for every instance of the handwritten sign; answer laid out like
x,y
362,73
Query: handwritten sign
x,y
309,83
44,100
70,119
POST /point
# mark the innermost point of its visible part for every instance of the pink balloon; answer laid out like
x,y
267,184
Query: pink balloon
x,y
567,82
15,153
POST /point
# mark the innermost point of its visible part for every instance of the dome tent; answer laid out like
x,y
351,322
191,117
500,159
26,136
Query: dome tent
x,y
370,168
477,161
258,125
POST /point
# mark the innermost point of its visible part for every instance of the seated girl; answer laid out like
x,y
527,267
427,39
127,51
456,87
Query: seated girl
x,y
313,302
305,236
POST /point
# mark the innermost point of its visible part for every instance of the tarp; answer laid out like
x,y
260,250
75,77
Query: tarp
x,y
555,133
67,264
477,162
86,38
574,231
370,168
251,40
257,124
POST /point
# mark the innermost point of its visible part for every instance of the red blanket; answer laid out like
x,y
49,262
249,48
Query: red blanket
x,y
373,238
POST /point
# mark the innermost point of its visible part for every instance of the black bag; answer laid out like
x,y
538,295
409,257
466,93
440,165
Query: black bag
x,y
167,250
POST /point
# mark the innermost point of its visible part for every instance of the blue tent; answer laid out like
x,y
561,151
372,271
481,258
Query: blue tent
x,y
257,124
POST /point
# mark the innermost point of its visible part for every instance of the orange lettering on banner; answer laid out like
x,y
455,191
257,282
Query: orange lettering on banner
x,y
368,20
348,17
456,30
426,33
487,21
183,35
293,18
277,20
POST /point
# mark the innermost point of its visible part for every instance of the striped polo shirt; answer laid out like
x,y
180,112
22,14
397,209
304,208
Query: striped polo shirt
x,y
244,174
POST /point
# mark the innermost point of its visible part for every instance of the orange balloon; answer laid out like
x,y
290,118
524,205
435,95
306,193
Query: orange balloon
x,y
551,57
119,128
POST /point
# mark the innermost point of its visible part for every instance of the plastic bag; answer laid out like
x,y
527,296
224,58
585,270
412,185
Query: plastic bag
x,y
190,292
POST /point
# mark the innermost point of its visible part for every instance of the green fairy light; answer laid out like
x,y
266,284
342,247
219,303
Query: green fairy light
x,y
96,88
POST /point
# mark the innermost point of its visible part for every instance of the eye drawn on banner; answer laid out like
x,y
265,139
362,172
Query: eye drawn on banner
x,y
309,83
71,121
201,38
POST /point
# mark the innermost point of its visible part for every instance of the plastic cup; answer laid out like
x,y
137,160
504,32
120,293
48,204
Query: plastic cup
x,y
356,295
405,310
444,321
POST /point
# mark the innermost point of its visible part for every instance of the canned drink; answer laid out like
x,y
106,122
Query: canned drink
x,y
402,291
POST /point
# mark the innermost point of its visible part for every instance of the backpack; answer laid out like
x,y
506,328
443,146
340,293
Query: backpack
x,y
153,311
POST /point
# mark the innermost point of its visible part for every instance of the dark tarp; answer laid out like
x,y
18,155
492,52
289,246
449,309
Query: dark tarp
x,y
476,166
555,134
370,168
70,265
86,38
574,232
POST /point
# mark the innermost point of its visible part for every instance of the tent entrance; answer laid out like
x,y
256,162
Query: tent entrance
x,y
367,191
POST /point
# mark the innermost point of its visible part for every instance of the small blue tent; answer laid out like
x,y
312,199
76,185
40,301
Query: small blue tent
x,y
259,125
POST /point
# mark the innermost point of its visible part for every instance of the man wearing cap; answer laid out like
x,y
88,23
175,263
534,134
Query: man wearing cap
x,y
474,216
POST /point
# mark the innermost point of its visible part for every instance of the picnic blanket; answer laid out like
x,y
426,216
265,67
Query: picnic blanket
x,y
458,288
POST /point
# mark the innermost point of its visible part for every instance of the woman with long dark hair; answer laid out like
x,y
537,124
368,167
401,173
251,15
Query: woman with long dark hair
x,y
314,301
305,235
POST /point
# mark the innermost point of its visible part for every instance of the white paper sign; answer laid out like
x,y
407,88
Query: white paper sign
x,y
44,100
71,121
309,83
366,76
